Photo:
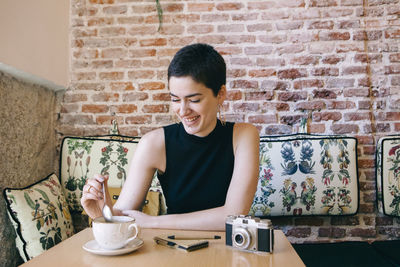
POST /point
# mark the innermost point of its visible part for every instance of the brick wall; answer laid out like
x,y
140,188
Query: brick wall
x,y
334,61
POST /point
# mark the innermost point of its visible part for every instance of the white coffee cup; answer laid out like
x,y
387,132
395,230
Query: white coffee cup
x,y
115,234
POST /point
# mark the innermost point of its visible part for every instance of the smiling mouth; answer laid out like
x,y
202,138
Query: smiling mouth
x,y
191,119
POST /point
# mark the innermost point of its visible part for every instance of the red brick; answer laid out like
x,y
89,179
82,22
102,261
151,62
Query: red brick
x,y
141,74
102,64
229,6
245,107
84,33
278,129
305,60
83,76
122,86
105,97
128,63
101,1
94,108
233,95
357,116
200,7
70,97
310,105
258,50
316,128
274,39
344,128
394,57
241,61
142,30
172,29
334,36
340,83
349,24
351,47
125,108
112,31
244,84
328,24
263,119
299,232
130,20
326,116
200,29
392,34
235,73
114,53
332,232
269,62
151,86
302,84
290,119
240,39
115,10
115,75
146,119
260,5
263,95
368,58
223,50
134,96
107,119
244,16
292,96
88,86
367,35
69,108
325,94
153,42
365,233
274,85
392,69
162,108
292,73
325,71
161,97
262,73
340,105
290,49
260,27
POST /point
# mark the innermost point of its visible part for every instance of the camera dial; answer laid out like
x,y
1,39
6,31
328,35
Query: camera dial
x,y
241,238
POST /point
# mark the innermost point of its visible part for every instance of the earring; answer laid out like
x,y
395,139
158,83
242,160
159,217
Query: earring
x,y
221,115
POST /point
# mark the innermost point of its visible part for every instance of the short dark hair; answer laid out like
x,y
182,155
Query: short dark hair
x,y
202,63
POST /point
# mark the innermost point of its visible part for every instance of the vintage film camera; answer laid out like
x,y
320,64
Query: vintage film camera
x,y
249,233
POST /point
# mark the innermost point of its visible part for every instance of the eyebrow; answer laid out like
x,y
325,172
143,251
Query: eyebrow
x,y
188,96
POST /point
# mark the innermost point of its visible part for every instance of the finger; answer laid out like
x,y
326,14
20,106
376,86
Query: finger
x,y
89,189
100,178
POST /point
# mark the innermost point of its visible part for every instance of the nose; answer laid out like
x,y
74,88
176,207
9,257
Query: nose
x,y
183,109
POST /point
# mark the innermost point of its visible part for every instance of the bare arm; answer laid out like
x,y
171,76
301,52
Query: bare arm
x,y
240,193
149,156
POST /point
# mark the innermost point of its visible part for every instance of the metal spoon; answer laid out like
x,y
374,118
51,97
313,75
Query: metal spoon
x,y
107,212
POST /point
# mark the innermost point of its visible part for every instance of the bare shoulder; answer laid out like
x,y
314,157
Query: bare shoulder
x,y
153,140
245,134
245,130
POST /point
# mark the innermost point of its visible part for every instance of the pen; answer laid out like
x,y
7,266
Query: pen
x,y
176,237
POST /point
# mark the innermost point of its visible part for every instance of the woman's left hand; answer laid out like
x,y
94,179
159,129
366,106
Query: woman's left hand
x,y
142,219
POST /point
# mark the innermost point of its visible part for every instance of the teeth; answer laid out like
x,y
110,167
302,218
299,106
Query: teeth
x,y
191,119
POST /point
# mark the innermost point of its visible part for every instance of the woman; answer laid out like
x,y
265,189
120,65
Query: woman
x,y
208,169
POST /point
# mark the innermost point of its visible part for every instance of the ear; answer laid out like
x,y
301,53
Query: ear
x,y
222,94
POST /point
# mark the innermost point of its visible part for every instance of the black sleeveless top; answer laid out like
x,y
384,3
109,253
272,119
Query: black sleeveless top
x,y
198,169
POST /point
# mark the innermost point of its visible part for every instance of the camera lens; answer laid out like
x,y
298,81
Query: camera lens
x,y
239,239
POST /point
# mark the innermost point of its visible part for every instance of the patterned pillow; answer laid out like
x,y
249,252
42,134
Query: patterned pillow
x,y
83,157
40,216
306,174
388,175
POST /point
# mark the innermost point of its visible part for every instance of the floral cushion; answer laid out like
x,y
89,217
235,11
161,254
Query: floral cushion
x,y
306,174
40,216
83,157
388,175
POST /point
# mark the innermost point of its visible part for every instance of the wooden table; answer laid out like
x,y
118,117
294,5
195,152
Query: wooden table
x,y
70,253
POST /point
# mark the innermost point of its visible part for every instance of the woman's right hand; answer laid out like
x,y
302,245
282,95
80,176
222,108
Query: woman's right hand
x,y
92,199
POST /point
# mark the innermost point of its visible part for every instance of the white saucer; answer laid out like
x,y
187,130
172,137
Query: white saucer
x,y
93,247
